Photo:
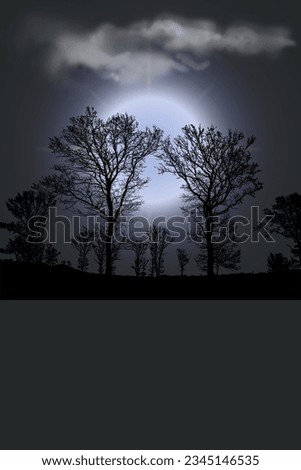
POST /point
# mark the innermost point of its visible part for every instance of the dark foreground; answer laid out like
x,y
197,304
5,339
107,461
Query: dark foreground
x,y
29,281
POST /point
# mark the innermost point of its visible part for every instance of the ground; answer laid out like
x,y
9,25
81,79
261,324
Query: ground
x,y
33,281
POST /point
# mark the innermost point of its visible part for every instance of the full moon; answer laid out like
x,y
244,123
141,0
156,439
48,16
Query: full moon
x,y
170,114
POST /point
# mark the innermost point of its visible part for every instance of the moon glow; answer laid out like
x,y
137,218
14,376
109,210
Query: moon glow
x,y
169,113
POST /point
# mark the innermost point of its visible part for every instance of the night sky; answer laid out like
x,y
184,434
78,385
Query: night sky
x,y
60,56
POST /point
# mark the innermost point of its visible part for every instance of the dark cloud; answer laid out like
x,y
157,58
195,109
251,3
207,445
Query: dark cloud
x,y
155,47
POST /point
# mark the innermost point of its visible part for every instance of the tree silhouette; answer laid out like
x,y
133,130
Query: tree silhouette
x,y
99,248
115,250
225,246
277,263
183,259
27,244
158,241
287,221
102,167
51,255
226,255
66,263
83,243
216,170
140,261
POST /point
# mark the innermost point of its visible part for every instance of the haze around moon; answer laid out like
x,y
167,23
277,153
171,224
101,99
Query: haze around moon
x,y
170,113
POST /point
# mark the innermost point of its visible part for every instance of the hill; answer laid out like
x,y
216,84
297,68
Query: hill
x,y
33,281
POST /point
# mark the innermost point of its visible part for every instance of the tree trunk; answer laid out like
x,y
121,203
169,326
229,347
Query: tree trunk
x,y
210,255
210,258
109,240
299,250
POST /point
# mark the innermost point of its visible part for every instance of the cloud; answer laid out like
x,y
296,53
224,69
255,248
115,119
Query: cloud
x,y
150,49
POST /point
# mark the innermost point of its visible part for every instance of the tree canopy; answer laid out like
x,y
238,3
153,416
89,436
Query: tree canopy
x,y
30,212
287,221
102,166
217,172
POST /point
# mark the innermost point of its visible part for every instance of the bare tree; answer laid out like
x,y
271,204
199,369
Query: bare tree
x,y
51,255
83,243
66,263
99,248
183,259
30,211
277,263
216,170
287,221
116,248
102,167
225,246
159,239
140,261
226,255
